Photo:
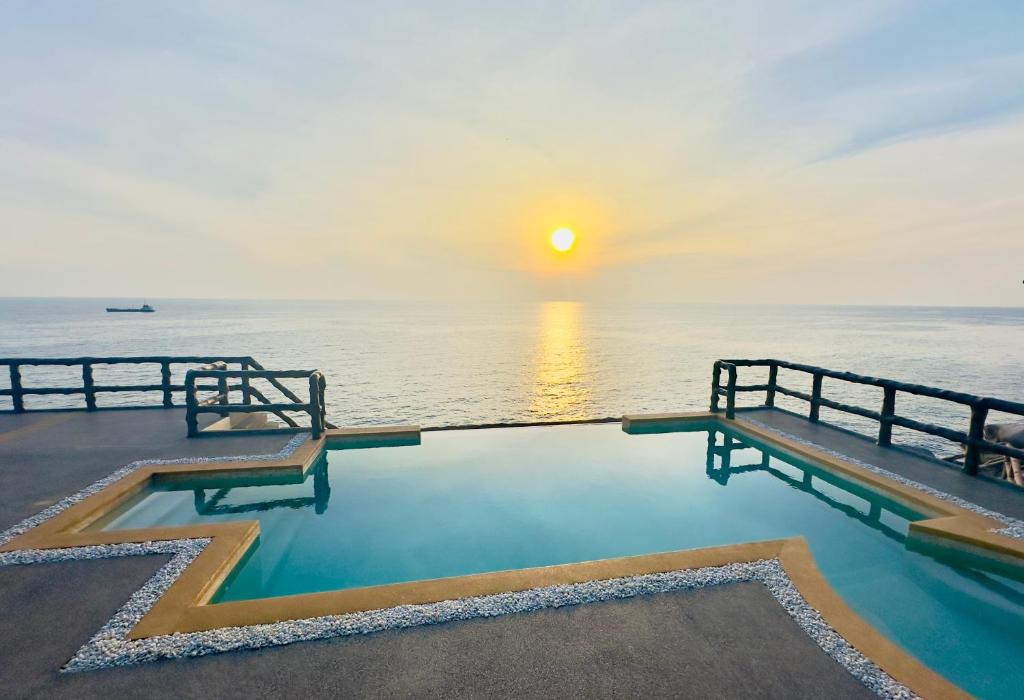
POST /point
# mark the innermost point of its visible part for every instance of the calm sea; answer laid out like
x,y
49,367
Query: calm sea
x,y
448,363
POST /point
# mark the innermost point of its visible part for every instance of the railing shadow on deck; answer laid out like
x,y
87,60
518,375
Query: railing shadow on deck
x,y
973,440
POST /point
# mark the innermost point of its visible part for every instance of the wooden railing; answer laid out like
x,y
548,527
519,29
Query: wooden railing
x,y
90,389
220,402
973,440
217,369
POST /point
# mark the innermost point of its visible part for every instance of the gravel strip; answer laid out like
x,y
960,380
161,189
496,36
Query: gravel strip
x,y
110,647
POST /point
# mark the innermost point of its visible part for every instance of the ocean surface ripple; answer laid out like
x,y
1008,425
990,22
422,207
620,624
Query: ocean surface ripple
x,y
436,363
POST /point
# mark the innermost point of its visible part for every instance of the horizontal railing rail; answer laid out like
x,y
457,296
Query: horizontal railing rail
x,y
973,439
220,402
89,389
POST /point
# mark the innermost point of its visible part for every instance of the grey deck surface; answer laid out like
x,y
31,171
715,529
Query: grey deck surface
x,y
47,456
1000,497
734,641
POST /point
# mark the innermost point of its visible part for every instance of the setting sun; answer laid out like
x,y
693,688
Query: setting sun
x,y
562,240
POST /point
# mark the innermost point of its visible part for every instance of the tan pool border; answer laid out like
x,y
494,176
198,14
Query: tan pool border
x,y
950,525
185,606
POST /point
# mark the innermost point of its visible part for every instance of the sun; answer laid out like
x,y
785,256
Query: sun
x,y
563,240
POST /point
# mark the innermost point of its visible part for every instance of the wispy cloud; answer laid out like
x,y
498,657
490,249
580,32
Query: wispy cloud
x,y
927,68
422,149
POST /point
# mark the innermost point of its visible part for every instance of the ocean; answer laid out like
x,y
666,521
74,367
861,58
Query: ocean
x,y
444,363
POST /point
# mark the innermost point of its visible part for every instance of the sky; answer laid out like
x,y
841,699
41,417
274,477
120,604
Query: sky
x,y
785,152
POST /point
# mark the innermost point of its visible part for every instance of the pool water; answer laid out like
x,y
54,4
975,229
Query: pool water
x,y
472,501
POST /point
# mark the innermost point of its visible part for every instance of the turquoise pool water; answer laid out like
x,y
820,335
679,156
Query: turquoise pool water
x,y
471,501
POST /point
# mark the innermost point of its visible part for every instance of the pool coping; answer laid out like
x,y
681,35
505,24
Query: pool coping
x,y
111,647
184,607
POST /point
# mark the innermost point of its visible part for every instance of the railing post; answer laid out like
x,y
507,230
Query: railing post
x,y
716,382
815,398
888,412
165,383
979,413
315,422
89,386
17,400
773,383
246,388
191,419
730,396
222,390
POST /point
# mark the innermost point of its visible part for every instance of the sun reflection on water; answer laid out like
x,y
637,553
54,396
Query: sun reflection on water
x,y
561,385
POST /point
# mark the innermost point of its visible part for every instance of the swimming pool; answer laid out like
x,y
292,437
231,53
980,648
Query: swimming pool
x,y
473,501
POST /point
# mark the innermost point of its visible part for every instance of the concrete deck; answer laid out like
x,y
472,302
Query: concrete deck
x,y
998,496
732,641
46,456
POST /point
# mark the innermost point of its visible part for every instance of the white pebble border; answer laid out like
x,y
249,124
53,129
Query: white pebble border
x,y
44,515
1013,527
110,647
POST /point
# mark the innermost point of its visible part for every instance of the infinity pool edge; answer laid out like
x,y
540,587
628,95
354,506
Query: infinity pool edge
x,y
184,606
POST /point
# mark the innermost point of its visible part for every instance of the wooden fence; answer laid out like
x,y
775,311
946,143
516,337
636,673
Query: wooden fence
x,y
215,368
90,389
973,440
220,403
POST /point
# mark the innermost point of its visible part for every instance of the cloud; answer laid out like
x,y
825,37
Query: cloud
x,y
703,150
927,68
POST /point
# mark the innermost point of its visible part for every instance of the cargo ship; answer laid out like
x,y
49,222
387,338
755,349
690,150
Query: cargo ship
x,y
144,309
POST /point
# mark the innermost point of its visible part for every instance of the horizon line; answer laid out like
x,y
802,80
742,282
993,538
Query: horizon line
x,y
516,301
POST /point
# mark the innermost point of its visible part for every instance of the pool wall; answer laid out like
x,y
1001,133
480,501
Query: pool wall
x,y
183,605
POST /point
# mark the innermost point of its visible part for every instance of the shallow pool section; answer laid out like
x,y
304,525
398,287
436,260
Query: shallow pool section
x,y
473,501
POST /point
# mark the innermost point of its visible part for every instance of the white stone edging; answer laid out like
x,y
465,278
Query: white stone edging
x,y
110,646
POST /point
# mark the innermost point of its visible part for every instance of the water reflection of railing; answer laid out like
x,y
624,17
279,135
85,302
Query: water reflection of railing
x,y
967,568
318,501
721,474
